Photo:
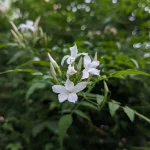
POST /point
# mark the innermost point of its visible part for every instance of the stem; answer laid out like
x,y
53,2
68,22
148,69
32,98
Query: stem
x,y
141,116
88,91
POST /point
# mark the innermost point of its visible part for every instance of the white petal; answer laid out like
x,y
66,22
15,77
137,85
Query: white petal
x,y
31,28
94,71
29,23
70,60
21,26
64,58
94,64
63,96
71,70
82,54
72,97
58,89
80,86
69,85
87,59
85,74
74,51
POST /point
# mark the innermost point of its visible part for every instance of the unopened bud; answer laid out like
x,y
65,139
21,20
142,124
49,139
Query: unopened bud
x,y
2,119
41,32
16,30
52,60
95,58
37,22
79,66
52,70
55,65
53,73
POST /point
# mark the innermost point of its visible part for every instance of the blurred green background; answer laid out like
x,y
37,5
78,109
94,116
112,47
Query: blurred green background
x,y
118,30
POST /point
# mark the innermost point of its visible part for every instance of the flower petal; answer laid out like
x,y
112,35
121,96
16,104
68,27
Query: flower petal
x,y
58,89
82,54
31,28
74,51
94,64
72,97
71,70
87,59
69,85
21,26
70,60
29,23
94,71
64,58
63,96
80,86
85,74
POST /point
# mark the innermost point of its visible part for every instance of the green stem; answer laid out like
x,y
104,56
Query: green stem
x,y
88,91
141,116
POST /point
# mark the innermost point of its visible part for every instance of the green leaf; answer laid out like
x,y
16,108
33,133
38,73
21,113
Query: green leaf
x,y
37,129
64,124
14,146
99,99
87,104
128,72
41,63
113,107
82,114
20,70
33,87
51,125
140,148
129,112
16,56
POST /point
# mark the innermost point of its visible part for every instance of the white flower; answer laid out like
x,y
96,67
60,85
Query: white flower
x,y
71,71
74,54
90,67
28,25
68,92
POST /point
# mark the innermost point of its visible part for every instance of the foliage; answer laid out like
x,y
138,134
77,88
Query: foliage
x,y
30,114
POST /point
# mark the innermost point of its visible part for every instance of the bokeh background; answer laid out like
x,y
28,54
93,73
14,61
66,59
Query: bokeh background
x,y
118,30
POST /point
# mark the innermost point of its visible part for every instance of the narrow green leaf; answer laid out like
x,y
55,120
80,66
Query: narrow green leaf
x,y
128,72
64,124
140,148
33,87
99,99
129,112
16,56
82,114
20,70
113,107
41,63
87,104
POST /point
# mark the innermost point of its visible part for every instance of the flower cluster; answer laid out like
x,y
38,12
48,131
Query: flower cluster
x,y
73,74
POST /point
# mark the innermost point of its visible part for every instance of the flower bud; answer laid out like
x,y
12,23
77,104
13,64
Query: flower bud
x,y
52,60
55,65
2,119
52,70
53,73
79,66
16,30
95,58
